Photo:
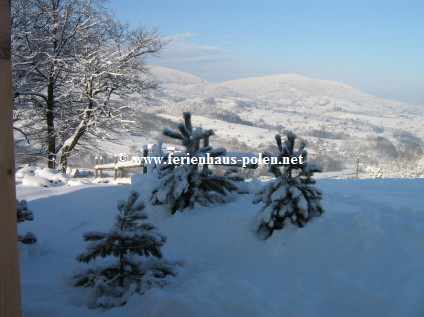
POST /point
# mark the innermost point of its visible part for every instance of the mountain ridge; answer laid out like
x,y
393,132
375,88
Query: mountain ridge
x,y
275,87
338,120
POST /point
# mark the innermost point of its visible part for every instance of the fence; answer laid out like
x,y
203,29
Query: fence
x,y
118,167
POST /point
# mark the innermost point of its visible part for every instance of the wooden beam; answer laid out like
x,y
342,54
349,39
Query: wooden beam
x,y
10,296
96,162
115,171
101,162
205,144
145,154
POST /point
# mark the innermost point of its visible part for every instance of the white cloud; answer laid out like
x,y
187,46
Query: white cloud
x,y
179,45
213,63
182,36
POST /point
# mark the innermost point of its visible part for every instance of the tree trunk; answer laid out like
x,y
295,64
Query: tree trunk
x,y
74,139
64,159
121,270
51,137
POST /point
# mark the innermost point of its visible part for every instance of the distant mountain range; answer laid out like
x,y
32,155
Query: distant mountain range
x,y
337,119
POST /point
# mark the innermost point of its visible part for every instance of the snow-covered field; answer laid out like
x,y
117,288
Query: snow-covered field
x,y
363,257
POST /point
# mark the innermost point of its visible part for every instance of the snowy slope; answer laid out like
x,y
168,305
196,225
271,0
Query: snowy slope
x,y
364,257
284,88
168,75
251,111
297,103
294,87
227,131
180,84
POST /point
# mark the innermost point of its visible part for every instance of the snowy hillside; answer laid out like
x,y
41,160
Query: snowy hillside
x,y
179,84
296,87
337,120
363,257
173,76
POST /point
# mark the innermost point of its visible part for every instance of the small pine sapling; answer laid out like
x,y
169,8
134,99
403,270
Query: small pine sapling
x,y
127,241
238,178
156,151
183,185
234,174
24,214
291,196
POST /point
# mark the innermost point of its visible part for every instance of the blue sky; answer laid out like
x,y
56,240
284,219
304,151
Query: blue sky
x,y
376,46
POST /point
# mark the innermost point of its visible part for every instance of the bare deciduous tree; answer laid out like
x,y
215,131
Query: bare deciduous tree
x,y
72,60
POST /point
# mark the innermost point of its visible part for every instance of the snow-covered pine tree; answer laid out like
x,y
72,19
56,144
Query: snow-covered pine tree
x,y
128,240
25,214
184,185
234,174
292,195
156,151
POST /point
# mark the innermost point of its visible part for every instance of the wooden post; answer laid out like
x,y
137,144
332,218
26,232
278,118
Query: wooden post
x,y
96,160
357,168
10,296
205,144
115,171
145,154
196,148
100,163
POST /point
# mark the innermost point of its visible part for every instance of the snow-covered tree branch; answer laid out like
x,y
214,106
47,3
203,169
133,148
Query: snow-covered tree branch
x,y
71,58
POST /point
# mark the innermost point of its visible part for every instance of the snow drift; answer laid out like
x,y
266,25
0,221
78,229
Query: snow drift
x,y
363,257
